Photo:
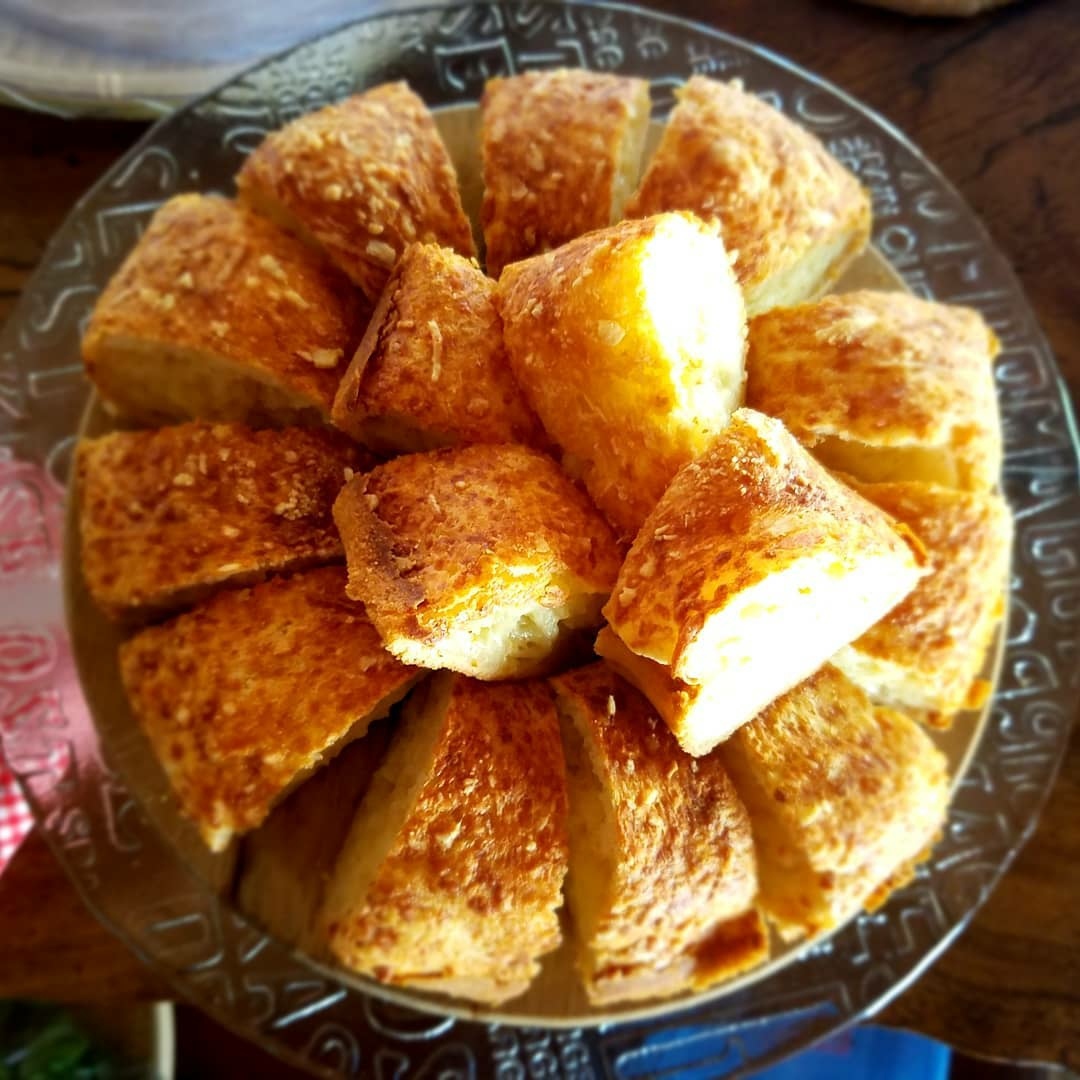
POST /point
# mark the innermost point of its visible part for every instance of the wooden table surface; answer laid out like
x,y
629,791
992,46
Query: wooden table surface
x,y
995,101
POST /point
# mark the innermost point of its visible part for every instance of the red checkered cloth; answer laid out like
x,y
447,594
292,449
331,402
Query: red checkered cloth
x,y
15,818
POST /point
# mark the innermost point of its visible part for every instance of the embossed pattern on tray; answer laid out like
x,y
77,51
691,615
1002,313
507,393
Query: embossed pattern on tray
x,y
135,881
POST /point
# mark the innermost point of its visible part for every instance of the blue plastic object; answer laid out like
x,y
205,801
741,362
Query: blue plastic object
x,y
875,1053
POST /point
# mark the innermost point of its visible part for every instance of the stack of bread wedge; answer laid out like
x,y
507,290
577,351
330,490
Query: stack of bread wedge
x,y
665,562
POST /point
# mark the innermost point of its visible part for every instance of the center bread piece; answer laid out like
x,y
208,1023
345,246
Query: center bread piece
x,y
629,343
662,883
481,559
756,566
246,695
452,872
431,369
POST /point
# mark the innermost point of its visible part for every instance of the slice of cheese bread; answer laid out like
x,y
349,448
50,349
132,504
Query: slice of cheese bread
x,y
844,798
216,314
482,559
452,871
361,179
756,566
243,697
166,516
662,883
928,653
629,343
791,215
431,369
561,153
884,386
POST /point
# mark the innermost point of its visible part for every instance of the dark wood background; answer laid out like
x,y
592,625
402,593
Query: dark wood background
x,y
995,102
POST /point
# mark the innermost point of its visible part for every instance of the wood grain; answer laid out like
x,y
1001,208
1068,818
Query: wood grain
x,y
995,102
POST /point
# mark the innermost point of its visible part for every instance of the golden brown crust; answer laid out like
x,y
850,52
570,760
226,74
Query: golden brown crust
x,y
842,797
362,178
431,369
684,861
754,504
468,890
167,515
210,277
556,147
883,369
672,698
245,694
775,190
938,636
444,536
631,374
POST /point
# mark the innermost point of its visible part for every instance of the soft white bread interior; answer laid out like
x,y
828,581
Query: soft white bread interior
x,y
844,799
246,695
753,569
561,151
451,874
431,369
629,343
884,386
662,880
361,179
166,516
481,559
791,215
216,314
929,652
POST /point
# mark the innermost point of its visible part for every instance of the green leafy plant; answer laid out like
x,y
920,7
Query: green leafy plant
x,y
44,1042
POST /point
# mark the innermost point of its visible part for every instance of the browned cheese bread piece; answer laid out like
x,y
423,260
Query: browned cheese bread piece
x,y
246,695
218,315
482,559
362,179
791,215
844,798
928,653
884,386
662,881
431,370
562,151
754,568
452,871
629,342
166,516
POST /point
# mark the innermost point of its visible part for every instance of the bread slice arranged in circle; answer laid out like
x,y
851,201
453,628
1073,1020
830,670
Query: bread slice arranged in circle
x,y
929,652
218,315
844,798
361,179
663,882
169,515
246,695
754,568
432,369
453,867
481,559
629,343
791,215
883,386
561,153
